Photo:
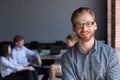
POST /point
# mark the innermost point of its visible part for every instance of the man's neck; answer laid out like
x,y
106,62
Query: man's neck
x,y
18,47
86,46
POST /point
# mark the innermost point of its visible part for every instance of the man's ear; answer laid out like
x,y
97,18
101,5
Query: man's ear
x,y
15,43
95,25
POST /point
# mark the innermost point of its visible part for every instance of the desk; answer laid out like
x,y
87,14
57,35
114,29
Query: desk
x,y
48,56
48,59
45,54
51,59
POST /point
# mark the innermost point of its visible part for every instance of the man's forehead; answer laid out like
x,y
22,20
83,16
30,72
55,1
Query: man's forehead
x,y
83,18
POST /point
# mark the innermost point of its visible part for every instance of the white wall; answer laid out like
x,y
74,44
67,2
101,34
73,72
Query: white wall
x,y
45,20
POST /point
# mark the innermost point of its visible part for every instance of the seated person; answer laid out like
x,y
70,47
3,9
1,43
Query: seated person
x,y
55,69
12,71
70,40
20,55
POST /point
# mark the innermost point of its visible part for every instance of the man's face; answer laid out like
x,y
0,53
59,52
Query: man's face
x,y
20,43
69,43
9,49
84,27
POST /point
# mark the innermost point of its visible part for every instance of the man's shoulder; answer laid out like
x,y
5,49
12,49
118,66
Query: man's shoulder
x,y
14,50
104,46
70,52
105,49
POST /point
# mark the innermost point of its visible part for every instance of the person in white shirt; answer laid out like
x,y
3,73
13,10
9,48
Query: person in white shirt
x,y
20,55
10,70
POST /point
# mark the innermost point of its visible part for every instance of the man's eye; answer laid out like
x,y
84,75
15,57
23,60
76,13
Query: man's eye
x,y
88,23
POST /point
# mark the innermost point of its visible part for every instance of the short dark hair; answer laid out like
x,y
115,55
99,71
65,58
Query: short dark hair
x,y
71,37
4,49
17,38
81,11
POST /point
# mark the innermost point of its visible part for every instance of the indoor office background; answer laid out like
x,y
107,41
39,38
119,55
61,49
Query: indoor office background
x,y
46,20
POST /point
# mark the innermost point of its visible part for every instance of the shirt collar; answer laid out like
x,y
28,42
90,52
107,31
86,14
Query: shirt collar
x,y
17,48
93,50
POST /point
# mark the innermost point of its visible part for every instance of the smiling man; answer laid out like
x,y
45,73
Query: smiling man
x,y
89,59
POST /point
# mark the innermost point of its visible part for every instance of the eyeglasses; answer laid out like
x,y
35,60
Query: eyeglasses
x,y
87,24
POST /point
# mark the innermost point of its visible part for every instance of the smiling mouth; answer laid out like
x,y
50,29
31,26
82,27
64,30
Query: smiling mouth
x,y
85,33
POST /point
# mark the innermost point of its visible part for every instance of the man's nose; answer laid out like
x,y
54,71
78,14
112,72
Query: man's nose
x,y
84,26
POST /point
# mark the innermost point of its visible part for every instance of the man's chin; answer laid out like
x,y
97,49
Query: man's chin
x,y
85,39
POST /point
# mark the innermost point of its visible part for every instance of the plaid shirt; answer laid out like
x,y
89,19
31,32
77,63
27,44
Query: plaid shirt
x,y
101,63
